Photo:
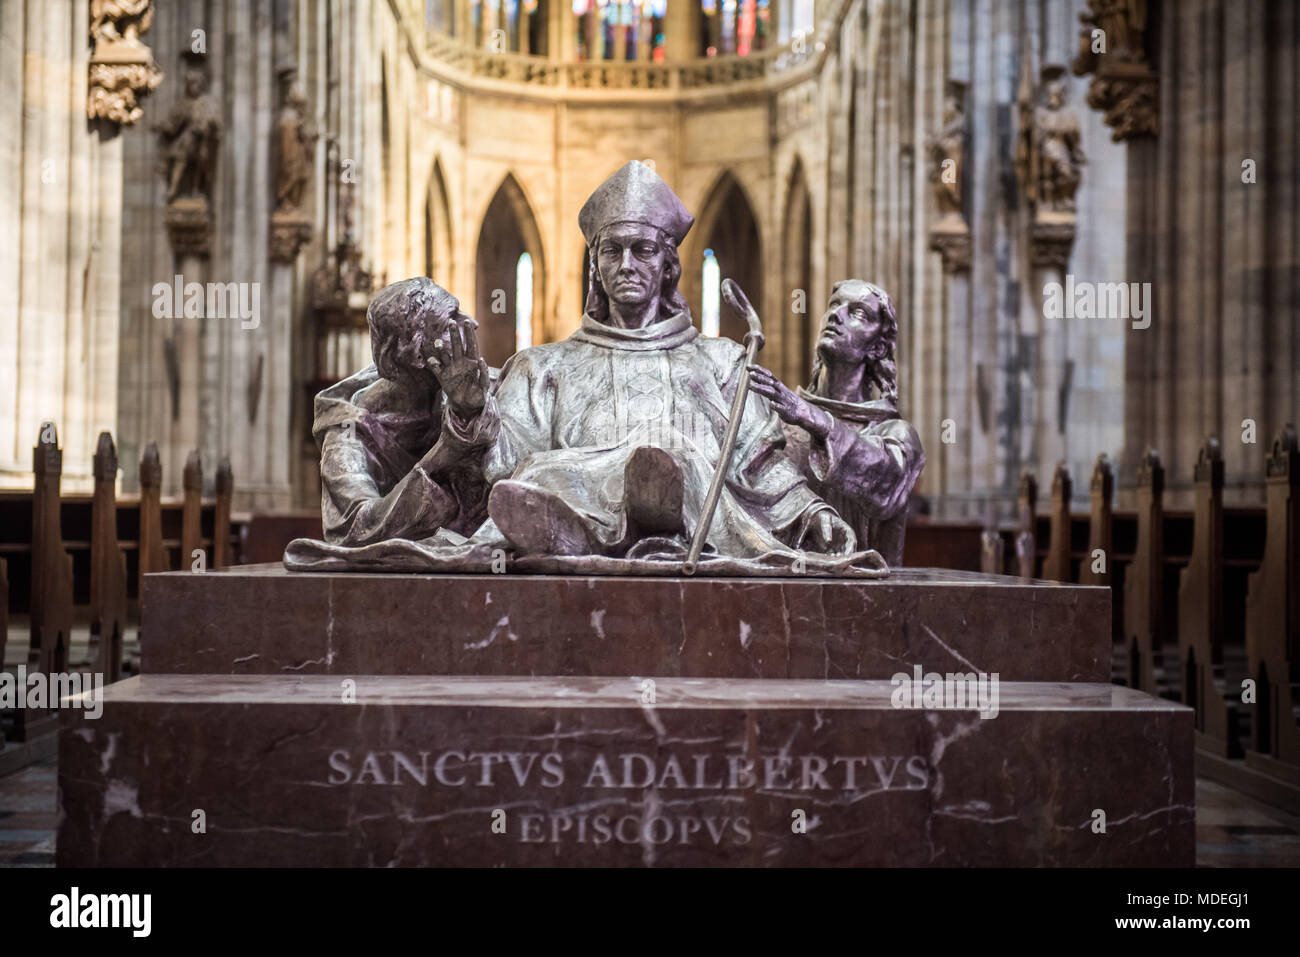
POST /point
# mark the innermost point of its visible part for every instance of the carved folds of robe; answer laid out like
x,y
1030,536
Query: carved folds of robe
x,y
572,412
373,435
866,468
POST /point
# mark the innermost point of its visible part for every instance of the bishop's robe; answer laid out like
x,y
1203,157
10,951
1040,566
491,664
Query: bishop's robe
x,y
572,412
376,483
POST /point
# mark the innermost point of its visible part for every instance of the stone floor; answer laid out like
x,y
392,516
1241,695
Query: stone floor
x,y
1232,830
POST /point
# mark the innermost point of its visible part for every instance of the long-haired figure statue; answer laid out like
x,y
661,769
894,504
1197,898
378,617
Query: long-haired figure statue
x,y
856,451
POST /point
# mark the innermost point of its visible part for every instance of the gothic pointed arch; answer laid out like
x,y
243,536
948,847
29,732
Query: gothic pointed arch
x,y
438,238
798,307
726,228
509,229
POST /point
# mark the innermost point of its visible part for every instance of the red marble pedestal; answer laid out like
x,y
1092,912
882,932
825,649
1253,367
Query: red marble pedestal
x,y
353,719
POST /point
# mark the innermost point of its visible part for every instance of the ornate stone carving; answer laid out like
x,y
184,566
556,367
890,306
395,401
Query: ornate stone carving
x,y
190,138
288,235
1050,243
295,151
950,236
1050,157
121,67
954,247
947,152
340,290
1049,161
1124,87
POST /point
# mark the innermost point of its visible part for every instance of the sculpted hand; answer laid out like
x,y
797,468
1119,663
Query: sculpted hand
x,y
829,534
462,374
787,403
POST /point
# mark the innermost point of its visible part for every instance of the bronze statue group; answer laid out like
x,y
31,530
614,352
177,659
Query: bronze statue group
x,y
574,458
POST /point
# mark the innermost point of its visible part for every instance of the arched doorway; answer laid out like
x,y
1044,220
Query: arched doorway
x,y
437,230
796,237
508,232
729,242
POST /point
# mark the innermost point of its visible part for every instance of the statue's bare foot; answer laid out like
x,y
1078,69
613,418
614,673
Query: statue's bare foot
x,y
538,522
652,483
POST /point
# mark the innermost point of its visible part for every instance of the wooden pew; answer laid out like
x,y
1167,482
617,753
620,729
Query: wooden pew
x,y
51,603
1200,612
152,556
1027,501
51,608
1056,566
992,551
221,557
191,512
1273,618
1095,567
108,581
1144,582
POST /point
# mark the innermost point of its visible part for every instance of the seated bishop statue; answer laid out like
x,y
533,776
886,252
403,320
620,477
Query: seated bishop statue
x,y
599,450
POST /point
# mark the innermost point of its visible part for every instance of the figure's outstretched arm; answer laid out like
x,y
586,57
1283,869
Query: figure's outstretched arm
x,y
788,405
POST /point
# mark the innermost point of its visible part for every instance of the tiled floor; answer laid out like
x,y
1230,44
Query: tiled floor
x,y
28,816
1232,830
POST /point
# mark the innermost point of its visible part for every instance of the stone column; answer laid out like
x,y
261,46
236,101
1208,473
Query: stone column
x,y
1125,88
561,26
464,24
185,343
959,405
981,355
1049,256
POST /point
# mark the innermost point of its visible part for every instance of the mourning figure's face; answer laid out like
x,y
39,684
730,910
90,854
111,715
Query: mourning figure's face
x,y
852,325
405,324
631,260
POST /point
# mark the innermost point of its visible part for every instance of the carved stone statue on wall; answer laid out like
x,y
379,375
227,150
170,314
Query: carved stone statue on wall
x,y
295,155
1058,158
1049,164
856,450
620,448
191,137
190,134
119,21
121,67
1124,86
947,153
949,234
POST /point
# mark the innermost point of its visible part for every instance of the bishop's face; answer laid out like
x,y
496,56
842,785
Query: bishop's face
x,y
852,325
631,261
